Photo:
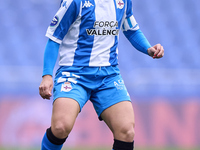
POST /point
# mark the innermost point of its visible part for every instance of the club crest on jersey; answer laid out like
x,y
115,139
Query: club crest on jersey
x,y
120,4
55,21
66,87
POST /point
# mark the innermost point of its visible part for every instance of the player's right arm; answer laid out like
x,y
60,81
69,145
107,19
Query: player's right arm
x,y
50,57
58,28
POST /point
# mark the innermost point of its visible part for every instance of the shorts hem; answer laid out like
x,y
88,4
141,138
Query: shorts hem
x,y
99,115
69,97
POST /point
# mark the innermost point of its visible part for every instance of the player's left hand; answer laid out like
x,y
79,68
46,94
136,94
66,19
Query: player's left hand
x,y
156,51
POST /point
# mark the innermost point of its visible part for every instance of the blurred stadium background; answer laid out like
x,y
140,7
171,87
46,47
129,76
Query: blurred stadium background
x,y
165,92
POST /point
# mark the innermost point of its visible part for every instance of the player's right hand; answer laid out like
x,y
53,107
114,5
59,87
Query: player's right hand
x,y
46,86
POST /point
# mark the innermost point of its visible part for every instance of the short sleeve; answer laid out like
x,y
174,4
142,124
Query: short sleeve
x,y
129,21
63,19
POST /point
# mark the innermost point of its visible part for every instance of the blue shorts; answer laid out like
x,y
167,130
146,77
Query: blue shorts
x,y
103,86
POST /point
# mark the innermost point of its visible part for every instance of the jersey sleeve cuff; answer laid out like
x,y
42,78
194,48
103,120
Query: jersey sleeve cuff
x,y
138,40
53,38
47,72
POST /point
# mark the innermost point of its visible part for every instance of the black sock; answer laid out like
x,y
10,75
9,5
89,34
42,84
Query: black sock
x,y
54,139
120,145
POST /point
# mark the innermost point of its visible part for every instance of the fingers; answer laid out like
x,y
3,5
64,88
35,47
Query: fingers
x,y
151,51
46,87
159,51
45,90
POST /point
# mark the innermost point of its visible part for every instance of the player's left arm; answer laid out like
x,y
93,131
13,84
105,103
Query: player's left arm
x,y
133,33
140,42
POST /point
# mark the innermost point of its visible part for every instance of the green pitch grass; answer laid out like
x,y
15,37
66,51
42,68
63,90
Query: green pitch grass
x,y
1,148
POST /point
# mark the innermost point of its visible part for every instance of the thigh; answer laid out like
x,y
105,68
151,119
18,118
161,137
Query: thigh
x,y
118,117
65,111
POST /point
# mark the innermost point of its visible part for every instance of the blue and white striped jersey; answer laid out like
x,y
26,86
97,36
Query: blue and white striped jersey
x,y
88,31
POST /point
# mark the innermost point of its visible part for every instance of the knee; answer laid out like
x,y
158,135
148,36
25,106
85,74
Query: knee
x,y
127,132
61,129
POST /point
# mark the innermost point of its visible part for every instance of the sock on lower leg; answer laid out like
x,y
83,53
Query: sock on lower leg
x,y
50,142
120,145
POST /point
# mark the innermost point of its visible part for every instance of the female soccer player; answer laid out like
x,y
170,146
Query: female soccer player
x,y
85,33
